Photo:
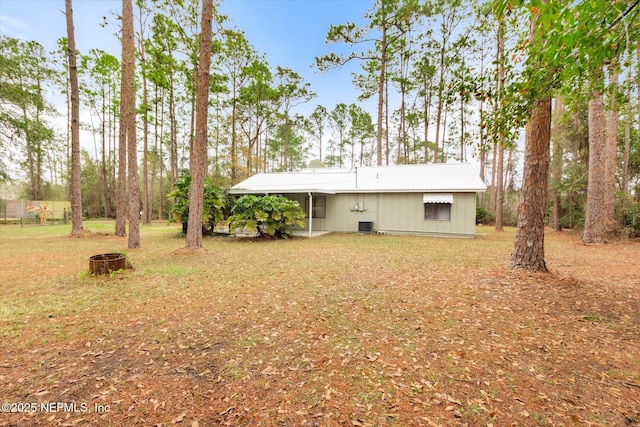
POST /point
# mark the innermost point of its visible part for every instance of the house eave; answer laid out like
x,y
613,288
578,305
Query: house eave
x,y
263,191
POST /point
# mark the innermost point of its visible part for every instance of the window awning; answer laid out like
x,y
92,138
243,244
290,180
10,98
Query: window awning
x,y
437,198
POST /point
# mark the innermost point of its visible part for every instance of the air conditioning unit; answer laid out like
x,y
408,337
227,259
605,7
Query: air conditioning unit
x,y
365,227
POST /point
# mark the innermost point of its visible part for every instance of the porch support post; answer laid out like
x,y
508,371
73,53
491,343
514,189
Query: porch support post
x,y
310,214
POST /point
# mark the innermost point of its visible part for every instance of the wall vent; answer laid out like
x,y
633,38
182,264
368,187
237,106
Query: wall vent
x,y
365,227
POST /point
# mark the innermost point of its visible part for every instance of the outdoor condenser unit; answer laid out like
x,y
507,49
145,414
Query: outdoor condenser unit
x,y
365,227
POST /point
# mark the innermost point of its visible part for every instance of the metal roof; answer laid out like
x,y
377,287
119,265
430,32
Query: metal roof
x,y
439,177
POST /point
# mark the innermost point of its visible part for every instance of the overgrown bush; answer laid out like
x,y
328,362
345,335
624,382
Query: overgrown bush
x,y
270,216
483,216
631,218
213,202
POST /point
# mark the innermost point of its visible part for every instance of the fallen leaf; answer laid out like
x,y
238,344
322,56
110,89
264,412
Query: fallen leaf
x,y
179,418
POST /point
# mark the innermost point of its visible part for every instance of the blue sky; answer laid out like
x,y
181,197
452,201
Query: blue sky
x,y
290,32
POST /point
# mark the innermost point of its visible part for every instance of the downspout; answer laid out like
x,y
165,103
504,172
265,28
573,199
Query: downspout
x,y
310,214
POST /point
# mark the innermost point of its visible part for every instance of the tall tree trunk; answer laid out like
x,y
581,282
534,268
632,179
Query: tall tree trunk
x,y
154,160
438,116
440,91
594,212
556,166
146,210
492,195
508,171
113,134
121,209
76,194
427,104
285,151
403,154
387,150
68,144
625,164
381,84
444,136
528,248
105,178
198,165
129,121
161,158
192,122
627,146
483,154
121,206
611,149
462,144
234,148
499,189
173,138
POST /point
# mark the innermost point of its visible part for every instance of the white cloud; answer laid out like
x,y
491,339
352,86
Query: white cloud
x,y
12,23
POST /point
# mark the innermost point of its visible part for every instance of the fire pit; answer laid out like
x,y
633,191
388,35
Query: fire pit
x,y
106,263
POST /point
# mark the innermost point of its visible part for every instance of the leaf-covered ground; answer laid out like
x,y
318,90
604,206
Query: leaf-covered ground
x,y
337,330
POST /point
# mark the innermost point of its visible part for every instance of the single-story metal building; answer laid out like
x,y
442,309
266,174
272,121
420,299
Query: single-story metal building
x,y
430,199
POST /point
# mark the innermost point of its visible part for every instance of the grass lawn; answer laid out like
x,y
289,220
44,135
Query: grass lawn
x,y
343,329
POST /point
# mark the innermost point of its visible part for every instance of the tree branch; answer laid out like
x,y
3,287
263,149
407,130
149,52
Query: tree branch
x,y
626,12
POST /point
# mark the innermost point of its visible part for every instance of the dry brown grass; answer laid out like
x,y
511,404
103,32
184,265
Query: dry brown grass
x,y
336,330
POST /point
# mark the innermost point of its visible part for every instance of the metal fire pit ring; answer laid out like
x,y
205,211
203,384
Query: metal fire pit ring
x,y
106,263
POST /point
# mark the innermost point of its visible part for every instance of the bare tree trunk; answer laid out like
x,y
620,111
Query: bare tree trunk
x,y
462,144
381,83
556,167
439,110
427,102
105,178
129,121
146,210
121,209
121,206
154,161
528,248
285,152
625,159
199,161
192,123
509,171
161,158
594,220
173,139
611,149
68,147
483,154
499,189
113,134
76,194
233,149
387,150
627,146
492,195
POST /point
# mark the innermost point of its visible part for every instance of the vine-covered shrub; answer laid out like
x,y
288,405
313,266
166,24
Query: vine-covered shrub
x,y
213,202
270,216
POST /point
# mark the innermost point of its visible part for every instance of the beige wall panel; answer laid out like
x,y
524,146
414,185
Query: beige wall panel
x,y
401,213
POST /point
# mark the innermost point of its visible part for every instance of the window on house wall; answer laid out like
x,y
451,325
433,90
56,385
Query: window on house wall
x,y
319,206
437,211
437,206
